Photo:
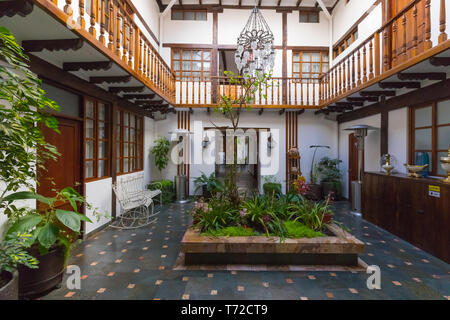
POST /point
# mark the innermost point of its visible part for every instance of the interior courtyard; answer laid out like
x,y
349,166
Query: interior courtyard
x,y
224,150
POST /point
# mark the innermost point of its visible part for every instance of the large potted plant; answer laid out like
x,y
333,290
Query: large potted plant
x,y
330,176
210,185
315,189
53,232
23,108
271,186
13,253
161,153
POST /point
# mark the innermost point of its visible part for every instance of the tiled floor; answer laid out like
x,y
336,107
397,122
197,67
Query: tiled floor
x,y
137,264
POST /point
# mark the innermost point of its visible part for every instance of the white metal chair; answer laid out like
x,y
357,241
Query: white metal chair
x,y
134,209
134,185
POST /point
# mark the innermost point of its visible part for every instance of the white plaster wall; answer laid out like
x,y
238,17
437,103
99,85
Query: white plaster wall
x,y
398,137
99,195
371,151
307,34
149,10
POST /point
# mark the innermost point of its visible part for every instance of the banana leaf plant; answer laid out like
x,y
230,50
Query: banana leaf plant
x,y
51,225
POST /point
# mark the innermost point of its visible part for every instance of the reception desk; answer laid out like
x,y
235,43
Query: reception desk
x,y
415,209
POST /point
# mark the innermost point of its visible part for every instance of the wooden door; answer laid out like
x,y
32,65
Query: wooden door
x,y
352,162
402,52
66,170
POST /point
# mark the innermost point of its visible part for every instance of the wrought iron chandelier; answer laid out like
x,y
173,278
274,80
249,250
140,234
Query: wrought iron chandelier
x,y
255,53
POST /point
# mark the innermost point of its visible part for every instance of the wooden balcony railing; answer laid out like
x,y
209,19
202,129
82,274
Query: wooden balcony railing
x,y
279,92
394,46
113,28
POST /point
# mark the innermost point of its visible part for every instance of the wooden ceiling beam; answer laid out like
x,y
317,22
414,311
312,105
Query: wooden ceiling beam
x,y
110,79
362,99
126,89
87,66
52,45
440,61
399,85
139,96
387,93
422,76
20,7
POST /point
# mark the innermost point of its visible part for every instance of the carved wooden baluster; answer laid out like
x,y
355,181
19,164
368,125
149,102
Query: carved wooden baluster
x,y
301,91
307,91
102,21
314,92
386,56
442,20
377,53
336,88
130,46
394,44
118,33
68,8
144,59
81,21
359,67
349,84
428,43
125,39
141,52
364,79
111,26
344,78
353,71
371,59
93,18
404,35
415,36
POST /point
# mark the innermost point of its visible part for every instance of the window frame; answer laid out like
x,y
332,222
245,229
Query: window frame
x,y
183,11
120,142
299,74
434,135
96,139
179,72
346,42
308,13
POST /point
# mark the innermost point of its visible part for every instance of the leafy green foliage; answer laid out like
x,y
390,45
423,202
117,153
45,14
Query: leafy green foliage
x,y
231,232
167,188
213,184
13,252
214,215
315,215
51,225
23,107
272,189
328,170
161,152
296,229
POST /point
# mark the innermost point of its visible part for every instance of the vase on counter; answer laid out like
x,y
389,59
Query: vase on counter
x,y
422,159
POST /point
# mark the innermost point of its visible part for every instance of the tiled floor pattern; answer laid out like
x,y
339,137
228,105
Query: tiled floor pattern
x,y
137,264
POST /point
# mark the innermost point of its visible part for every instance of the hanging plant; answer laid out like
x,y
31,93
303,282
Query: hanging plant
x,y
161,152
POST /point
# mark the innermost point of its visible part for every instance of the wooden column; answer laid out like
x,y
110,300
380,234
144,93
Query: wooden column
x,y
214,55
384,135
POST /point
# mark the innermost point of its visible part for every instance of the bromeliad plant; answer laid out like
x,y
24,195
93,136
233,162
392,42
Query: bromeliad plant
x,y
212,183
51,225
161,152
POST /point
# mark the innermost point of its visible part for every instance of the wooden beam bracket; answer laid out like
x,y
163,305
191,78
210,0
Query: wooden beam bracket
x,y
52,45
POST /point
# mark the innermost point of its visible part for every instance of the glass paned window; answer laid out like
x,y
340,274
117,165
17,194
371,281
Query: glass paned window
x,y
130,140
191,65
309,65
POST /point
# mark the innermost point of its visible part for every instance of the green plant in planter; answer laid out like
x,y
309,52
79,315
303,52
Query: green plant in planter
x,y
329,174
271,186
212,183
167,189
13,252
161,152
52,225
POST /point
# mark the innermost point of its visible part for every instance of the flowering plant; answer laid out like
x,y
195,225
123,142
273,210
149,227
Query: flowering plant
x,y
301,186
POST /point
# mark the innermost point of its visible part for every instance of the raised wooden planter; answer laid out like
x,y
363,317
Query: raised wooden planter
x,y
342,249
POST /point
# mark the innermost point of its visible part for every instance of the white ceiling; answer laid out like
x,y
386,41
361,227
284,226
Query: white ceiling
x,y
264,3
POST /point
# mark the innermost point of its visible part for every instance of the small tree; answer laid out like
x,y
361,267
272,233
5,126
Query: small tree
x,y
232,107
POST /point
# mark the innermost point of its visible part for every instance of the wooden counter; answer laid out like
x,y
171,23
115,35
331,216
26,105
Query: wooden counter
x,y
404,207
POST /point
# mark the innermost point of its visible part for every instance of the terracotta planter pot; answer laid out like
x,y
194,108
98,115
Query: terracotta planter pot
x,y
315,192
10,291
34,283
